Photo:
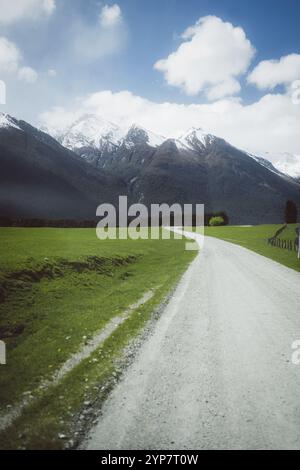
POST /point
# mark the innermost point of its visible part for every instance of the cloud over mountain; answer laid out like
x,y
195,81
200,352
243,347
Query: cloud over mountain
x,y
269,124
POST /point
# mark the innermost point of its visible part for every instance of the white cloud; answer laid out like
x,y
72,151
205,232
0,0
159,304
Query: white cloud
x,y
9,56
226,88
213,53
270,73
27,74
270,124
15,10
58,119
110,16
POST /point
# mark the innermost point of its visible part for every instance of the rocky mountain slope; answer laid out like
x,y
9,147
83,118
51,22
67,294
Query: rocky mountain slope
x,y
41,178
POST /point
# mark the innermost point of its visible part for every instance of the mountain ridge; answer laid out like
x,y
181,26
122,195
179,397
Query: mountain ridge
x,y
196,168
109,137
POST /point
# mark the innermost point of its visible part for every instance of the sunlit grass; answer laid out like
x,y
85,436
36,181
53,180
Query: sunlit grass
x,y
255,238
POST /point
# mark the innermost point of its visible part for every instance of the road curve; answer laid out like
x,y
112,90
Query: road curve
x,y
217,372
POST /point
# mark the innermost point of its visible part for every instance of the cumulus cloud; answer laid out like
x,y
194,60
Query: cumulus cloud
x,y
270,73
27,74
15,10
110,16
269,124
226,88
210,58
10,58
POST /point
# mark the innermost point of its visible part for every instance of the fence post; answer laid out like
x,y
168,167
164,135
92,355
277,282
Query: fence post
x,y
298,233
2,353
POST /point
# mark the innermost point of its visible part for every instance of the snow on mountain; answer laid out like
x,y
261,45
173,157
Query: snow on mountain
x,y
154,140
138,134
95,132
7,121
91,131
264,162
194,139
286,163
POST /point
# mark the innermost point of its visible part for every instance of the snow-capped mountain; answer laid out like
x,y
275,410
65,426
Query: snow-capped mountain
x,y
6,121
95,138
194,139
90,131
98,140
94,131
139,135
286,163
97,133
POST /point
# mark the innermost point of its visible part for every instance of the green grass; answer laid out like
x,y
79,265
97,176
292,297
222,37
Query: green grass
x,y
289,233
60,286
255,239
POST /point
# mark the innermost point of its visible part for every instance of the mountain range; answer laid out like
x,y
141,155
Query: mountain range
x,y
91,137
71,172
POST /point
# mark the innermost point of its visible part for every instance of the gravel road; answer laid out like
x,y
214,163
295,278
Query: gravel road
x,y
217,371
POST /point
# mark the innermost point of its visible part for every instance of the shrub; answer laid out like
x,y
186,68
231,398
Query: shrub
x,y
216,221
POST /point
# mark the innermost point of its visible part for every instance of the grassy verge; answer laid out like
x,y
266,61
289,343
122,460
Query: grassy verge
x,y
255,239
289,233
60,287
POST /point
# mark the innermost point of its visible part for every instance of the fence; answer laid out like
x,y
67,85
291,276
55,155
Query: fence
x,y
282,243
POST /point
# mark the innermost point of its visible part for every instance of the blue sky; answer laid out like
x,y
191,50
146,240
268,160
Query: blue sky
x,y
65,53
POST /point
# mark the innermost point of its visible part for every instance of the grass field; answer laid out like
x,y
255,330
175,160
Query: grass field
x,y
255,238
57,288
289,233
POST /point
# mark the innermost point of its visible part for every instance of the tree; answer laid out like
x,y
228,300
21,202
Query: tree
x,y
291,212
216,221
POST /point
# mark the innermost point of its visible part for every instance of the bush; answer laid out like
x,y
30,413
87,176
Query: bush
x,y
216,221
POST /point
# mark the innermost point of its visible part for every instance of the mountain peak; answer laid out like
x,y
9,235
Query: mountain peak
x,y
7,121
90,130
139,135
195,138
